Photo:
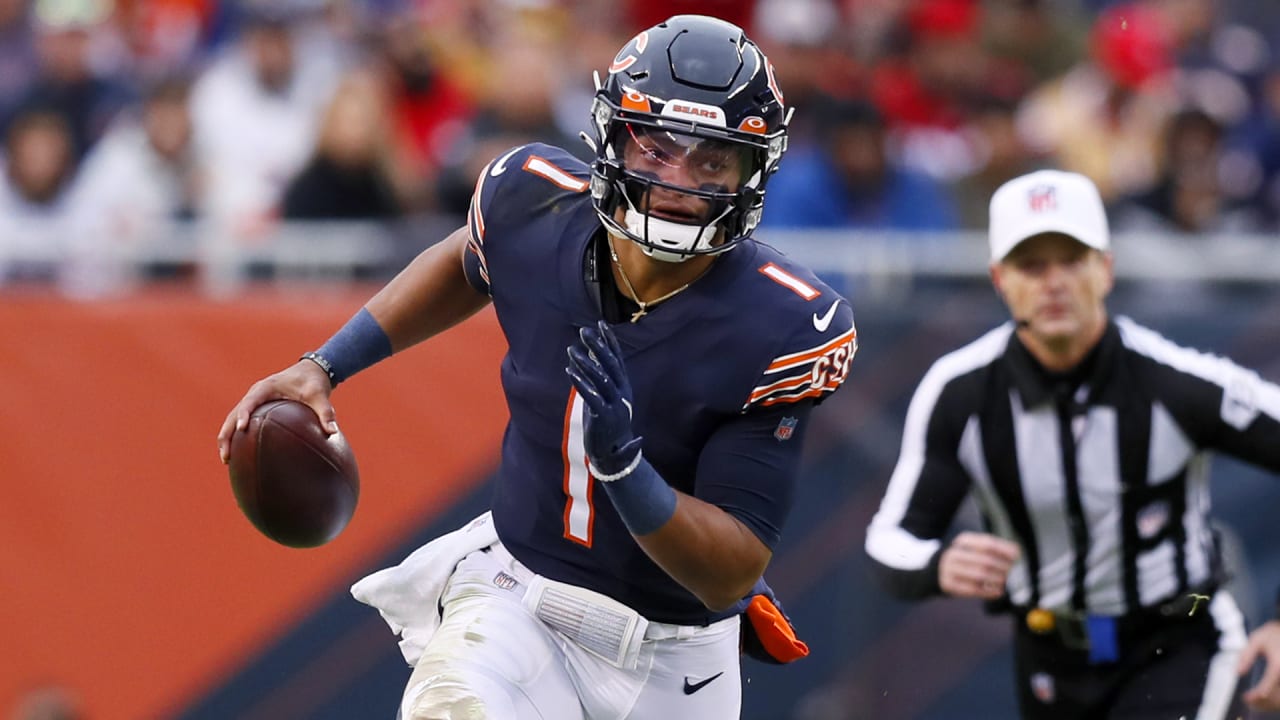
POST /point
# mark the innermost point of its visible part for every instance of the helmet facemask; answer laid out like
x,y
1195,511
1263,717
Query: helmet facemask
x,y
682,192
678,192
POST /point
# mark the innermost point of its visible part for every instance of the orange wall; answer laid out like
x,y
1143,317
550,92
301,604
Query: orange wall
x,y
126,570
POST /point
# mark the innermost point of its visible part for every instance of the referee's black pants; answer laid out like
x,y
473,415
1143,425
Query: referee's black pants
x,y
1163,673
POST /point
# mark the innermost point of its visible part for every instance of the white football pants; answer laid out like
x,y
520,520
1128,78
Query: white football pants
x,y
491,659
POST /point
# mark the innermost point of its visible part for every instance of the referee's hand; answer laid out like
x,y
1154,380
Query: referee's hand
x,y
975,565
1264,644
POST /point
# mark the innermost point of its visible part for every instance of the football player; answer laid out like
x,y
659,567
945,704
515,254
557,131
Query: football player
x,y
661,373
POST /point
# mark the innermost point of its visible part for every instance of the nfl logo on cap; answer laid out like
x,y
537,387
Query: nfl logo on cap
x,y
1042,198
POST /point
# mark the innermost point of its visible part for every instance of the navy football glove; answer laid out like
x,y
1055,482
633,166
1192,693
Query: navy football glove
x,y
767,632
595,365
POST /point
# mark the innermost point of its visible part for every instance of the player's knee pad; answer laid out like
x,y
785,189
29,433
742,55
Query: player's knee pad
x,y
454,697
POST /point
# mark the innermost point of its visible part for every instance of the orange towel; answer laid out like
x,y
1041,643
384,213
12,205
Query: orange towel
x,y
773,632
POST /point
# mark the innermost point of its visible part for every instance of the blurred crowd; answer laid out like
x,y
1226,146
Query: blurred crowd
x,y
120,118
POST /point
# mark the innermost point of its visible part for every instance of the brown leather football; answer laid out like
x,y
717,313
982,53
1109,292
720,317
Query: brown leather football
x,y
296,484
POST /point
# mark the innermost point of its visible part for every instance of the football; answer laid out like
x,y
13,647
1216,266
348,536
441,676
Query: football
x,y
296,484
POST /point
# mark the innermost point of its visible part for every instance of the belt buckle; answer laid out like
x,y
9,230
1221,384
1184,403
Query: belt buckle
x,y
1068,627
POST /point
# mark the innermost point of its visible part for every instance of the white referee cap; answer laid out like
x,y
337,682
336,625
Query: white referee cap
x,y
1047,201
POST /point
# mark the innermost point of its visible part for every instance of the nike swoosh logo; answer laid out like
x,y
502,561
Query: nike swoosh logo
x,y
500,166
691,688
822,323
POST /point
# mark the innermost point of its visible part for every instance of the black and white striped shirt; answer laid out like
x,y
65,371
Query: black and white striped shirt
x,y
1101,481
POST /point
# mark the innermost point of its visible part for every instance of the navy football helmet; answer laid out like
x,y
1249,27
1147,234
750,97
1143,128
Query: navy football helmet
x,y
689,124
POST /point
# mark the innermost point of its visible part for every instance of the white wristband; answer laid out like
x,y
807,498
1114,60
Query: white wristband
x,y
602,477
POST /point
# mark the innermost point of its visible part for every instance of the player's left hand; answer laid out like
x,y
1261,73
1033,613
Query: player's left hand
x,y
767,632
595,365
1264,643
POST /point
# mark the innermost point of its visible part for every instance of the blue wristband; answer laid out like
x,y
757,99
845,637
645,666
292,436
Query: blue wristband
x,y
359,344
642,498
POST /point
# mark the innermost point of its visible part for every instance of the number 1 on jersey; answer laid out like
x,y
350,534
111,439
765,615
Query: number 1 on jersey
x,y
579,514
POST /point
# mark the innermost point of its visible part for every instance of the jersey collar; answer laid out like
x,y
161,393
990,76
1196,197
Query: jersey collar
x,y
1036,386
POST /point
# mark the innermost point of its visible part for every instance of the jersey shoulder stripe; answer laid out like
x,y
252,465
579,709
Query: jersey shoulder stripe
x,y
475,226
791,360
809,373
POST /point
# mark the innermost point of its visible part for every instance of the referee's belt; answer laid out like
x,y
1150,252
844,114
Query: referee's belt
x,y
1105,637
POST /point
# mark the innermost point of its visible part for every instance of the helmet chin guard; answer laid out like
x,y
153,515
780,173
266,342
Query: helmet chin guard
x,y
670,241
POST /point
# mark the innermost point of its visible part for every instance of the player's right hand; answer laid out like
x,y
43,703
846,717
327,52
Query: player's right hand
x,y
303,381
976,565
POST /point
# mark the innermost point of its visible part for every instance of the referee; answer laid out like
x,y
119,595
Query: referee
x,y
1085,442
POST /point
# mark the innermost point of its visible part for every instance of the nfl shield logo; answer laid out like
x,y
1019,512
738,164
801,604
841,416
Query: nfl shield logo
x,y
505,581
1042,198
1042,687
786,427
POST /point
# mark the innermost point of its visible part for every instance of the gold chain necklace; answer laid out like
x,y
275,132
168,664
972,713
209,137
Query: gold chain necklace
x,y
644,306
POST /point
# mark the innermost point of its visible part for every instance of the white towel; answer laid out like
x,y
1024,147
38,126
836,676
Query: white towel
x,y
408,595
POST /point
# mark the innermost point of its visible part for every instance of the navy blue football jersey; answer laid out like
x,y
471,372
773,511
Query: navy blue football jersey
x,y
724,376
